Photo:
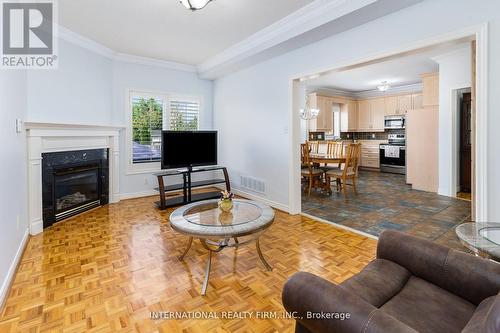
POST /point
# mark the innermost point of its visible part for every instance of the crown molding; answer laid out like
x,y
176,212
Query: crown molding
x,y
91,45
305,19
84,42
132,59
394,90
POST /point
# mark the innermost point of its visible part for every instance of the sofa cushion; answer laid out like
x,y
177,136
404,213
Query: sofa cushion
x,y
477,322
492,324
429,309
378,282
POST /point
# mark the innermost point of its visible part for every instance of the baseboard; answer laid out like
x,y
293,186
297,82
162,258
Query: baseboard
x,y
12,270
312,217
255,197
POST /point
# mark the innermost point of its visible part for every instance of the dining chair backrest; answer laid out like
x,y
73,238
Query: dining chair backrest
x,y
313,146
335,148
353,155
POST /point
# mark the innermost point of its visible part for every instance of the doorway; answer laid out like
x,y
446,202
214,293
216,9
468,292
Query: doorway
x,y
464,185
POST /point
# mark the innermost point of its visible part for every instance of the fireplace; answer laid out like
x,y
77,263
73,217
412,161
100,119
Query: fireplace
x,y
73,182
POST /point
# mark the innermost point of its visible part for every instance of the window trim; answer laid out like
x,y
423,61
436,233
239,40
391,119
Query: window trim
x,y
151,167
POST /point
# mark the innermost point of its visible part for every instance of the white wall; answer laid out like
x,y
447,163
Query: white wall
x,y
252,106
79,91
89,88
13,174
157,79
454,73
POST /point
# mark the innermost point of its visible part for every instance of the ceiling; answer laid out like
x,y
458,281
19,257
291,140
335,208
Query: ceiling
x,y
165,30
397,71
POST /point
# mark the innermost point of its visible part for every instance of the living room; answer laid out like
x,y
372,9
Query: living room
x,y
236,67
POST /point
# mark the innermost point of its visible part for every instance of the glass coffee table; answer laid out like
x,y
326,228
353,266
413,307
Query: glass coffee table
x,y
482,238
217,230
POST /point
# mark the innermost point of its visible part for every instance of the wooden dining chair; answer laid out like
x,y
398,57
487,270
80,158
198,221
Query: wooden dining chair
x,y
311,175
333,148
350,170
313,146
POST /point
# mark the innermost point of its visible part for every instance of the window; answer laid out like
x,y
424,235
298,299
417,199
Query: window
x,y
184,115
147,124
150,113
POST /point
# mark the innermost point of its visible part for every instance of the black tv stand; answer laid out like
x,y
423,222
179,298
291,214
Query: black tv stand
x,y
187,185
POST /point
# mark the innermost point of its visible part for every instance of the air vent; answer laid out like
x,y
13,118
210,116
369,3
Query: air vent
x,y
253,184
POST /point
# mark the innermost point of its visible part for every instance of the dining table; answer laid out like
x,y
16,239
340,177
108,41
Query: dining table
x,y
324,159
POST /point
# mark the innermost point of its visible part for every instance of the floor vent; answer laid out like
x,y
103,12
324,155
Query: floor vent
x,y
253,184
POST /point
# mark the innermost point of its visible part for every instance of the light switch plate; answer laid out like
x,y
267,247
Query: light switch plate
x,y
19,125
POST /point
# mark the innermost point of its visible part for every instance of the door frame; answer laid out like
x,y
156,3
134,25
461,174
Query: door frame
x,y
480,190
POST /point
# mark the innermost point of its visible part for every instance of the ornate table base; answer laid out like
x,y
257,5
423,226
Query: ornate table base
x,y
217,246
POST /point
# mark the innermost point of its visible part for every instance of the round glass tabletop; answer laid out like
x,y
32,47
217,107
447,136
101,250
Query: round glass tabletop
x,y
492,234
209,214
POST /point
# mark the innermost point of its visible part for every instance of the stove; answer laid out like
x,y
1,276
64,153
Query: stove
x,y
393,154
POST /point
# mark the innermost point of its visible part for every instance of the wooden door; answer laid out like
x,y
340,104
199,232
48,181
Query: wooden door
x,y
391,105
465,143
377,108
364,116
404,104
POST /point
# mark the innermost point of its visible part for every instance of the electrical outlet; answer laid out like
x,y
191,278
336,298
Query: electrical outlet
x,y
348,135
373,135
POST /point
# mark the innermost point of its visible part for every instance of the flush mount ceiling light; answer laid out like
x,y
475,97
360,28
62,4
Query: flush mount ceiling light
x,y
195,4
384,86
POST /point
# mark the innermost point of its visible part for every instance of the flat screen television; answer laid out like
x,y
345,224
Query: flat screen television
x,y
181,149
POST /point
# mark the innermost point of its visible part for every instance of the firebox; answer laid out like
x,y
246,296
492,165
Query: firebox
x,y
73,182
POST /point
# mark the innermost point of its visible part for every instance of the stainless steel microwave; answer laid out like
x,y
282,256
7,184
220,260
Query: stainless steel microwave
x,y
394,122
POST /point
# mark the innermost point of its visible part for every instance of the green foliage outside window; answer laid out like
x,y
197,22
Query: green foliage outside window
x,y
146,117
179,123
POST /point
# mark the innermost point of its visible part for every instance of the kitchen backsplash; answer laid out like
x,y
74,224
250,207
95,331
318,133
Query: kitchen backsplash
x,y
370,135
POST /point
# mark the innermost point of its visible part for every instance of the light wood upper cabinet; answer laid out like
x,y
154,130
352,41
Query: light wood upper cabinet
x,y
364,115
430,90
324,121
417,101
377,107
405,103
391,105
349,116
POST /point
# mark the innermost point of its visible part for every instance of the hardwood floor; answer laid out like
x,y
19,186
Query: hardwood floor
x,y
107,269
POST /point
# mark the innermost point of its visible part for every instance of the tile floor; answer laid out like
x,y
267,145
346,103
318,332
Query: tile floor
x,y
385,201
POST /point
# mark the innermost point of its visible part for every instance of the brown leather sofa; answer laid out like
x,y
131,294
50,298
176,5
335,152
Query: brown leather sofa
x,y
412,286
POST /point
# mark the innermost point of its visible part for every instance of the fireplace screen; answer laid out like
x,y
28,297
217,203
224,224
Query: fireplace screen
x,y
75,187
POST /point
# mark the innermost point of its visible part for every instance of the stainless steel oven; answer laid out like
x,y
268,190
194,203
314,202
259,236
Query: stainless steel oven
x,y
393,154
394,122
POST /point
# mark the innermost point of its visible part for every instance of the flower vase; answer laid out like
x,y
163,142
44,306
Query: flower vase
x,y
226,205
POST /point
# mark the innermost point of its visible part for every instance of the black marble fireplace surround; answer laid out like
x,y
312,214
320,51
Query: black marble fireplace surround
x,y
72,182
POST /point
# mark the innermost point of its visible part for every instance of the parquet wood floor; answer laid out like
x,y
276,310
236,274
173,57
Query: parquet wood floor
x,y
107,269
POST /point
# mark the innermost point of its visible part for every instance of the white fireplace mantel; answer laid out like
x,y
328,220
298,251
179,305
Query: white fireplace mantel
x,y
53,137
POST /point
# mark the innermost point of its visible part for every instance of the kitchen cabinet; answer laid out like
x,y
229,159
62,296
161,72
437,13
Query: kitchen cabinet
x,y
417,102
364,116
430,89
371,113
349,116
324,121
370,153
391,105
377,108
405,103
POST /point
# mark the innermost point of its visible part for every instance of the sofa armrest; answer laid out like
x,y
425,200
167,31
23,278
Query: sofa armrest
x,y
319,306
462,274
